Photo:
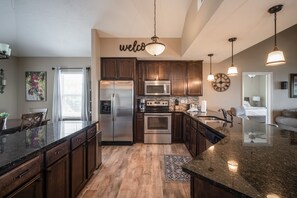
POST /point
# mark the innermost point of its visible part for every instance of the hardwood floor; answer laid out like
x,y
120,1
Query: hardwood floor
x,y
135,171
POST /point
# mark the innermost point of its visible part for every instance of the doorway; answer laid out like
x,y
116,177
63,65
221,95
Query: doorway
x,y
257,95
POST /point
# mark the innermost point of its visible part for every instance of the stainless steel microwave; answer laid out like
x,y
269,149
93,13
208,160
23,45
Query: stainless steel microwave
x,y
157,87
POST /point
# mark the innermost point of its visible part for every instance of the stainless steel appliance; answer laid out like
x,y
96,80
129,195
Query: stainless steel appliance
x,y
116,111
156,87
157,122
141,105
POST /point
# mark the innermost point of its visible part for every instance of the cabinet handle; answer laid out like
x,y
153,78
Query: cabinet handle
x,y
58,151
22,174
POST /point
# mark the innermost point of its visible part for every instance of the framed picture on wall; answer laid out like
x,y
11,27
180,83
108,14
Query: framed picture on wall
x,y
35,85
293,83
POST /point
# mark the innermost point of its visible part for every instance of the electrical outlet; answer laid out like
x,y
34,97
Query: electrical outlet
x,y
182,101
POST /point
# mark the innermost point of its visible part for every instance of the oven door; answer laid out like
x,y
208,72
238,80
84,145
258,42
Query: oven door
x,y
157,128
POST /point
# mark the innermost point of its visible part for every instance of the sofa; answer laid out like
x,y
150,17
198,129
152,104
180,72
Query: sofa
x,y
288,119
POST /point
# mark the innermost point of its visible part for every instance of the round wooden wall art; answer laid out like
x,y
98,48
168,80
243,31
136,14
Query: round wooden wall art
x,y
221,82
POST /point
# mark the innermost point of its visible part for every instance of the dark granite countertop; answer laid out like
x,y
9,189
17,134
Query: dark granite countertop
x,y
19,146
266,165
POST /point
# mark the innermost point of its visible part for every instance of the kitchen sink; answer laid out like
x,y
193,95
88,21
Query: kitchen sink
x,y
211,119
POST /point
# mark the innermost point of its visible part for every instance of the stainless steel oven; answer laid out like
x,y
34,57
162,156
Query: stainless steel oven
x,y
157,128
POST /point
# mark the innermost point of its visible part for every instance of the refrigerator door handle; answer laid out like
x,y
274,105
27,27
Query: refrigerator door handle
x,y
114,106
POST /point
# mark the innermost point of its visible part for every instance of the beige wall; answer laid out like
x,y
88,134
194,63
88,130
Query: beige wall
x,y
8,100
253,60
42,64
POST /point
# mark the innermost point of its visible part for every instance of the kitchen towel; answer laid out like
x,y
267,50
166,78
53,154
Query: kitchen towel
x,y
203,106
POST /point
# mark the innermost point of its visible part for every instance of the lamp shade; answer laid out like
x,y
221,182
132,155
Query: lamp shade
x,y
155,48
232,71
276,57
256,98
210,77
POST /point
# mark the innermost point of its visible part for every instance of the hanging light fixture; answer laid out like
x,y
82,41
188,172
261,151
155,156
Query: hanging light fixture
x,y
210,77
232,70
276,57
155,48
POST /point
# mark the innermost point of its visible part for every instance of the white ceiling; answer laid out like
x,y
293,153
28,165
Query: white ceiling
x,y
62,28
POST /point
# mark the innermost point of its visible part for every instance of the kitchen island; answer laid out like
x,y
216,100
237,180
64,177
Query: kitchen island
x,y
34,158
252,160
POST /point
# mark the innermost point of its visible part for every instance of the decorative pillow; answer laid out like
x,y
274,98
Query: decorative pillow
x,y
246,104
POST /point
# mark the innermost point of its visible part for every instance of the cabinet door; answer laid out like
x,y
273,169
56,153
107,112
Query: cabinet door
x,y
91,156
125,69
177,128
140,78
163,70
108,69
193,142
194,78
139,135
186,131
57,179
33,189
151,70
78,169
178,78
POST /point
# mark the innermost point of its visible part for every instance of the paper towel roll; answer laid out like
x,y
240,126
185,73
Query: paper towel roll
x,y
203,105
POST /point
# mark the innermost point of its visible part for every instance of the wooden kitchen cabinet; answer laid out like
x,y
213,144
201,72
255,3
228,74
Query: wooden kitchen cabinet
x,y
139,132
201,188
117,68
178,78
194,78
177,127
157,70
57,171
91,151
193,138
23,181
78,163
186,130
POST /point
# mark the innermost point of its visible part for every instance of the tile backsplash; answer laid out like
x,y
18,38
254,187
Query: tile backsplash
x,y
183,101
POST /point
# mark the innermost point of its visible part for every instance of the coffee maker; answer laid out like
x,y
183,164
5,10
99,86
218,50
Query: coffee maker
x,y
141,105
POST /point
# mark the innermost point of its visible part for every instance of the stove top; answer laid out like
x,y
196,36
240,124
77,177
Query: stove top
x,y
156,106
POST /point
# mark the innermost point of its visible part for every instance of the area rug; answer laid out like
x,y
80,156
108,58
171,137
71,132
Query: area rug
x,y
173,170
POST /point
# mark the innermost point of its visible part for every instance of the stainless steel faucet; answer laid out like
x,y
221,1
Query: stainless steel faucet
x,y
224,112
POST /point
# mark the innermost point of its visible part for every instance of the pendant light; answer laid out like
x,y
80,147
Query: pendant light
x,y
232,70
155,48
210,77
276,57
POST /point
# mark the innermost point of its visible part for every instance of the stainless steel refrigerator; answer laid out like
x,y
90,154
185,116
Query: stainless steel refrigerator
x,y
116,111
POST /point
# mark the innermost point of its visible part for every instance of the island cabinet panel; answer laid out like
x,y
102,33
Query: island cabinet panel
x,y
78,163
57,171
194,77
201,139
117,68
23,181
139,132
91,151
187,130
193,138
178,78
201,188
177,127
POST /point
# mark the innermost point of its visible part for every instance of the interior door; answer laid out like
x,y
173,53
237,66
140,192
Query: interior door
x,y
105,112
123,111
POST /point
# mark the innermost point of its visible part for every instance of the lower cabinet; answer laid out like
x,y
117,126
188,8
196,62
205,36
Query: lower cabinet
x,y
186,130
139,129
78,164
177,127
23,181
193,142
91,156
201,188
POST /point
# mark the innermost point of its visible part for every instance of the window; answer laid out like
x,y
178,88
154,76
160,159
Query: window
x,y
71,90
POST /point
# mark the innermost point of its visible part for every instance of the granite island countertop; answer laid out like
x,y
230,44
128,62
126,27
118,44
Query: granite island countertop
x,y
20,146
265,159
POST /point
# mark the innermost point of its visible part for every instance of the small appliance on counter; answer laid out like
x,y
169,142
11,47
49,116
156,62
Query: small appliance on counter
x,y
141,105
193,108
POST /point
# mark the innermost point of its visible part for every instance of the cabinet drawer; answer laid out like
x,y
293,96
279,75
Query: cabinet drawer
x,y
18,176
56,153
78,140
139,116
91,132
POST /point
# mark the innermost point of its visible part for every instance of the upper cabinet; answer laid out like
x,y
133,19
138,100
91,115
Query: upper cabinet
x,y
194,78
178,78
117,68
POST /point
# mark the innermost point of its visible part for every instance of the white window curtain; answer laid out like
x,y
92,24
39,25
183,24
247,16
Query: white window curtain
x,y
57,105
85,108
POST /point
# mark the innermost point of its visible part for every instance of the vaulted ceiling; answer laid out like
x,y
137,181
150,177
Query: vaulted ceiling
x,y
62,28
